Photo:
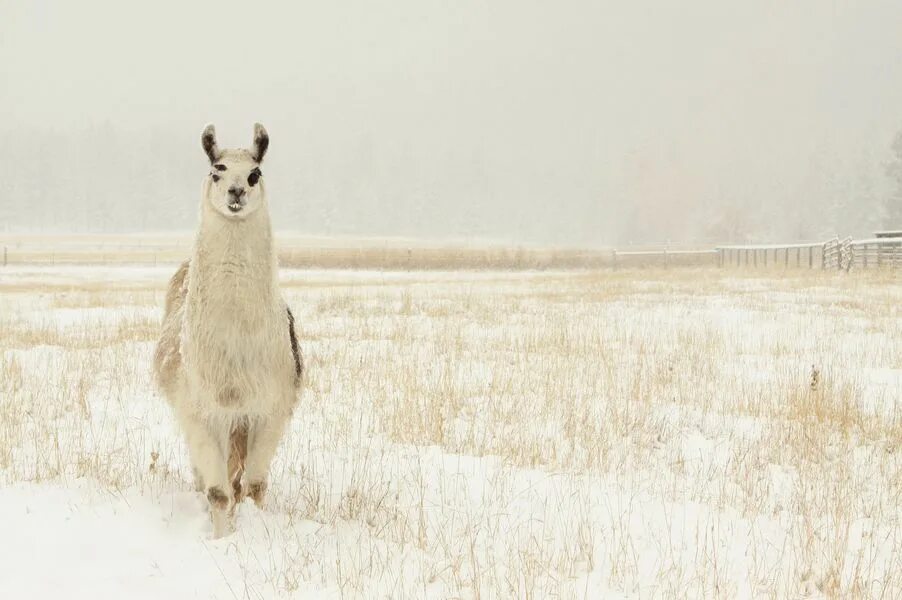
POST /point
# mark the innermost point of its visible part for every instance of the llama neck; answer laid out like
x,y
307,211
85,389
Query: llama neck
x,y
235,258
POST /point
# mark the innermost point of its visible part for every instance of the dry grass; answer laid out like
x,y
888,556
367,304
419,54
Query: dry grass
x,y
298,251
653,433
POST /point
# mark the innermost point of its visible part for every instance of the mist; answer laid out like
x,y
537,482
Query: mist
x,y
577,124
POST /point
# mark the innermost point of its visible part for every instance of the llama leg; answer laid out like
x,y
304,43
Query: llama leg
x,y
198,479
264,438
238,458
207,448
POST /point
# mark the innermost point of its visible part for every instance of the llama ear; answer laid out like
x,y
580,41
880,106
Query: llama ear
x,y
261,142
208,141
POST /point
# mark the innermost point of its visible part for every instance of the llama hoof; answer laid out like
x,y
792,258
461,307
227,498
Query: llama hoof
x,y
223,524
239,492
257,492
217,498
221,509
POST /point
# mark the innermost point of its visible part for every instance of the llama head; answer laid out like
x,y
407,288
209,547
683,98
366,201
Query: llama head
x,y
234,186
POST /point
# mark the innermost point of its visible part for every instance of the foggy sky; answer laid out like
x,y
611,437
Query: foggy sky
x,y
522,121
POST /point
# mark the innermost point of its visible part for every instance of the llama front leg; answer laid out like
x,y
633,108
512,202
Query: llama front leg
x,y
206,445
263,440
198,478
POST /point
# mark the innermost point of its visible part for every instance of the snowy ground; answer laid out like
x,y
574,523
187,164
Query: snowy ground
x,y
629,434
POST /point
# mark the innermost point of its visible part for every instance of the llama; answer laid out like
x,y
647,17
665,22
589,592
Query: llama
x,y
228,360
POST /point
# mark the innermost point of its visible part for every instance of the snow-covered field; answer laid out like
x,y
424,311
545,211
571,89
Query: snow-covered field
x,y
474,435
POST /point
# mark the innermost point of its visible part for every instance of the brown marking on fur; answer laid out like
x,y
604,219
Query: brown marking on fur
x,y
228,396
167,358
217,498
295,351
257,492
261,142
178,287
237,458
208,141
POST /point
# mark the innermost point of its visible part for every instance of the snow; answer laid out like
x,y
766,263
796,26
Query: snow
x,y
74,538
612,435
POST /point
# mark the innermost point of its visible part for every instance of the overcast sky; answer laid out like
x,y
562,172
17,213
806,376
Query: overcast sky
x,y
541,121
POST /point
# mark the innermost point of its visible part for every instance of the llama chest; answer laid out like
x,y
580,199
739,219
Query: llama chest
x,y
238,359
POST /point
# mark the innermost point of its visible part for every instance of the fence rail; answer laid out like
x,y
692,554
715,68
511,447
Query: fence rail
x,y
877,252
835,253
764,254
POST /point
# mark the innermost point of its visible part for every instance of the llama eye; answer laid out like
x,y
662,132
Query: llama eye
x,y
214,176
219,167
254,177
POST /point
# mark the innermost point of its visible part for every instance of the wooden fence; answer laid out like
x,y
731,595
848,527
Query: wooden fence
x,y
875,252
832,254
798,255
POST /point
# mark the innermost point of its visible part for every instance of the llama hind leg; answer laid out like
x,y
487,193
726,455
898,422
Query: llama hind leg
x,y
263,440
207,448
238,458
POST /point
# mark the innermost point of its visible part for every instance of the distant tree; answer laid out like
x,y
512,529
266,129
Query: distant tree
x,y
893,209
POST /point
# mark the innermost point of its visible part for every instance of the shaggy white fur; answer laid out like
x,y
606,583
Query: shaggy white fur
x,y
227,359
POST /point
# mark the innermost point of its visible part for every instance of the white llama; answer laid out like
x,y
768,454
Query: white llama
x,y
228,359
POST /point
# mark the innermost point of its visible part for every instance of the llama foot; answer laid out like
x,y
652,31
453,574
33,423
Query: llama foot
x,y
219,512
257,491
239,492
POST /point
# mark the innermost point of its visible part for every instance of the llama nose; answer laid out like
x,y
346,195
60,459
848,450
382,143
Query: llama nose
x,y
237,192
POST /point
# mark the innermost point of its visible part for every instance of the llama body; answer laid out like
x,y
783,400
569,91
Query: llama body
x,y
228,360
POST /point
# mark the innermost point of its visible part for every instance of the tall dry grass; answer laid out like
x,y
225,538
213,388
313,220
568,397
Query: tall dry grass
x,y
650,433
